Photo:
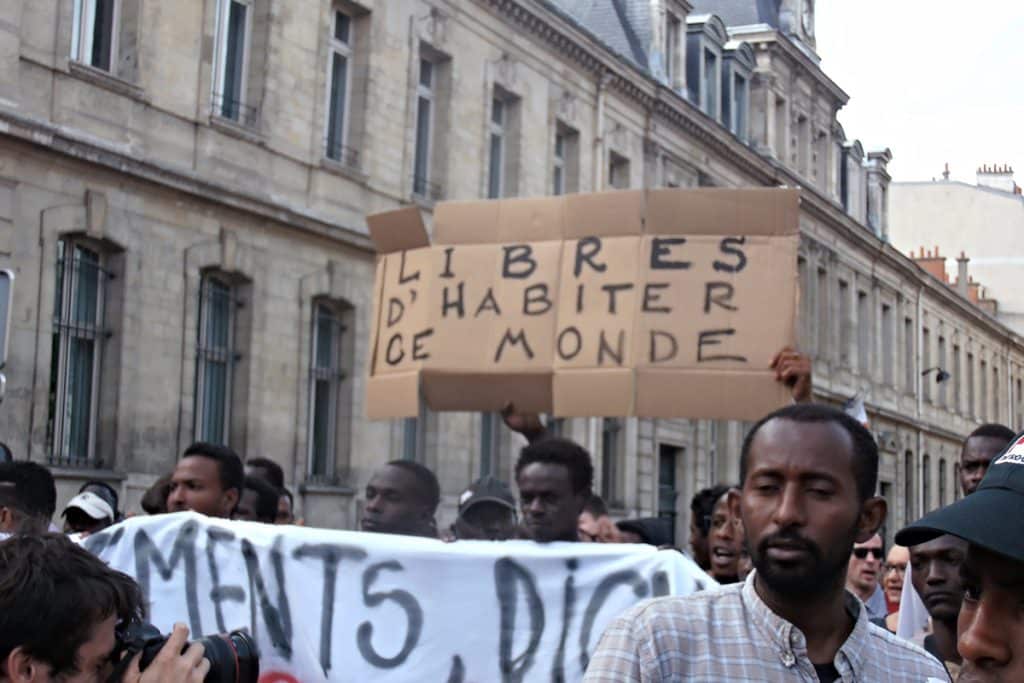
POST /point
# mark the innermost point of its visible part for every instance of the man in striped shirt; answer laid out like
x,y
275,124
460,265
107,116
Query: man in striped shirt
x,y
808,477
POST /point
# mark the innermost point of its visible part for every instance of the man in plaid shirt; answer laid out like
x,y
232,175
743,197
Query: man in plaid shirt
x,y
808,477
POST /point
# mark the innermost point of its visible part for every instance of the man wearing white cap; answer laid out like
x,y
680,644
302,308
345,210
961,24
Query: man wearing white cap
x,y
87,513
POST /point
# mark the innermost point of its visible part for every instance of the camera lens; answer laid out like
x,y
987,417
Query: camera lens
x,y
233,658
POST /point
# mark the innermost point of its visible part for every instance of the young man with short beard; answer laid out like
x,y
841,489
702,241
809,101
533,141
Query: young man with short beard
x,y
808,475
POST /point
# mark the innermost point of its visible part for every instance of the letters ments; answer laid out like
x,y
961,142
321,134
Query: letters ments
x,y
659,303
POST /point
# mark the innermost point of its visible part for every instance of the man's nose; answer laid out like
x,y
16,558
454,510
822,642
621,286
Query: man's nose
x,y
789,512
982,637
373,503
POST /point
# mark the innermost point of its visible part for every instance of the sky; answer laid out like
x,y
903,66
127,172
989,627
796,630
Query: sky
x,y
935,81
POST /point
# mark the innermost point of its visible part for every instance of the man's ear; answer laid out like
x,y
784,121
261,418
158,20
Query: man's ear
x,y
872,515
19,667
732,500
7,519
231,498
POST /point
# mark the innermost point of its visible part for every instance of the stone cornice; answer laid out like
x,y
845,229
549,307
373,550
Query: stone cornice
x,y
120,160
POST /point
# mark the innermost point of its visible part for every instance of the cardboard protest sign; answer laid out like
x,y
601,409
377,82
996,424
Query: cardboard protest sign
x,y
328,605
659,303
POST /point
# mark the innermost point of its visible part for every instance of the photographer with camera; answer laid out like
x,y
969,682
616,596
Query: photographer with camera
x,y
61,612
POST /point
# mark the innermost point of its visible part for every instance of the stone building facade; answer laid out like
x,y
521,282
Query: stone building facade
x,y
182,197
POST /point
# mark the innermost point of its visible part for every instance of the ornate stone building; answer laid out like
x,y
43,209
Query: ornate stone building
x,y
182,194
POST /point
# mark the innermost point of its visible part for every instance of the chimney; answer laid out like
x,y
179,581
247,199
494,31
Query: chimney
x,y
961,277
997,177
945,173
934,263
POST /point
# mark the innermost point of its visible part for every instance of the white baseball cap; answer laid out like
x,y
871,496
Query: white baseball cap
x,y
92,505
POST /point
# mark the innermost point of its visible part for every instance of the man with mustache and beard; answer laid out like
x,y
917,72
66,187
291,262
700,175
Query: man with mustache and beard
x,y
808,475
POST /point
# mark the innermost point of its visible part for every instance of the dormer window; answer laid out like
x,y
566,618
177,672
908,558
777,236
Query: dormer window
x,y
737,68
673,53
705,38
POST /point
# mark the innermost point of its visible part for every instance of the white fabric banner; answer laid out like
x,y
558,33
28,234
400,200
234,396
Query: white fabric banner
x,y
329,605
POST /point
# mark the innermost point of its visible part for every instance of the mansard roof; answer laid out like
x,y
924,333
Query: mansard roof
x,y
741,12
624,26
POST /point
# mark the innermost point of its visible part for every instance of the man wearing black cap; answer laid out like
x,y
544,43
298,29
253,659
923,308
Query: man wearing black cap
x,y
487,511
990,630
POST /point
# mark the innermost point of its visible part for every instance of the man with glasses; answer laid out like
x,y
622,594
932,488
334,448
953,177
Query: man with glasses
x,y
863,573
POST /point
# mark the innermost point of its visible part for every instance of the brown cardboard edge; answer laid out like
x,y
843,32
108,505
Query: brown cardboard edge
x,y
379,273
397,230
769,211
530,392
605,214
537,219
708,395
593,393
390,396
467,222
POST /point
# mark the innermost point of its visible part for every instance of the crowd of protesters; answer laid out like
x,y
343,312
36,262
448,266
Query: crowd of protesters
x,y
808,589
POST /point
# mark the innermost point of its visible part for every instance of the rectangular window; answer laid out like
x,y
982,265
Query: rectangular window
x,y
888,345
822,297
995,392
215,359
738,118
941,386
424,128
780,129
926,483
1017,404
864,333
942,482
565,160
926,362
909,364
972,408
78,334
956,399
490,446
673,34
710,89
94,37
618,171
909,512
983,391
339,90
669,458
325,377
234,25
558,165
611,429
496,170
845,324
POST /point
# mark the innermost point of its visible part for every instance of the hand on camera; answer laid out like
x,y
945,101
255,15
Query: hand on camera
x,y
170,665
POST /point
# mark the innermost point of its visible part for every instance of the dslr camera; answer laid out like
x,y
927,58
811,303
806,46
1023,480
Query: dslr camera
x,y
233,656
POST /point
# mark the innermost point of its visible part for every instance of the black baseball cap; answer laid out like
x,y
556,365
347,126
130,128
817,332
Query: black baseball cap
x,y
989,517
487,489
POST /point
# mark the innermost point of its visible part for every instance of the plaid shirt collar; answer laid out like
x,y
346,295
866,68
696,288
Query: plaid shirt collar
x,y
790,644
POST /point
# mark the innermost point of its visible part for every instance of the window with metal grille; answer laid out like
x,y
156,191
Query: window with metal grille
x,y
78,336
215,359
94,37
326,375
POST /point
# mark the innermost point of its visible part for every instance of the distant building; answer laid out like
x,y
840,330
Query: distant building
x,y
984,222
183,192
